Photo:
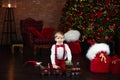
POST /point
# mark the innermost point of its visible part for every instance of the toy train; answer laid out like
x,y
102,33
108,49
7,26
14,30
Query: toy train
x,y
71,70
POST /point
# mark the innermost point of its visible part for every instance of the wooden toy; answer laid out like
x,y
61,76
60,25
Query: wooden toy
x,y
71,70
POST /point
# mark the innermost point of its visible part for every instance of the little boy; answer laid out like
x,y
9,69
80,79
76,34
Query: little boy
x,y
60,52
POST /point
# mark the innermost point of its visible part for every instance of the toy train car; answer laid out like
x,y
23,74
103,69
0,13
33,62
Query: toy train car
x,y
57,71
70,70
45,71
73,71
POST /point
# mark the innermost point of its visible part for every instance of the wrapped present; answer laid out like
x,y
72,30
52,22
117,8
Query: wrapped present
x,y
115,68
115,65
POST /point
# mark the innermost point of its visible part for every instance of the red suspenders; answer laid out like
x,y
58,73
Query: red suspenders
x,y
56,46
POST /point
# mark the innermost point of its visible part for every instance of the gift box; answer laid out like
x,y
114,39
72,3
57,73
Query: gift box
x,y
115,68
115,65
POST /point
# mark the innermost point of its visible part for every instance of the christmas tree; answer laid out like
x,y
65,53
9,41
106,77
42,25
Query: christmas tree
x,y
98,20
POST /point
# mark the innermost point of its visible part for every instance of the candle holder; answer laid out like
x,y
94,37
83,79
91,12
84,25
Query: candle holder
x,y
9,27
9,4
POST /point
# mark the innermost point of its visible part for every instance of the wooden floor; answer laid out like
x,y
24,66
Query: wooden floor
x,y
11,67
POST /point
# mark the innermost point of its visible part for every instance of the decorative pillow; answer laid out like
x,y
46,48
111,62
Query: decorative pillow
x,y
35,32
47,32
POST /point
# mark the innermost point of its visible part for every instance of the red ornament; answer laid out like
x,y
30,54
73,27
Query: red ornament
x,y
98,0
108,19
114,24
107,2
79,14
91,6
83,28
98,33
119,27
100,30
99,14
92,22
90,16
112,12
84,22
91,42
104,21
110,38
100,9
69,28
102,39
70,19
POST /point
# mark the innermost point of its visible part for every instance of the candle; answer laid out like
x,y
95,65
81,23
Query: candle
x,y
9,5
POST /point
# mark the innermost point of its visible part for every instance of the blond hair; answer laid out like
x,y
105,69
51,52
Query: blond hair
x,y
58,33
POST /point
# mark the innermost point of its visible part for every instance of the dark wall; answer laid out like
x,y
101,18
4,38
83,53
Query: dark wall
x,y
47,10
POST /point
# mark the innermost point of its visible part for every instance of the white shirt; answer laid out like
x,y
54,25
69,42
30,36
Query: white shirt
x,y
60,52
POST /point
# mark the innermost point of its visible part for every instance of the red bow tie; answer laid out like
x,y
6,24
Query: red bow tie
x,y
60,45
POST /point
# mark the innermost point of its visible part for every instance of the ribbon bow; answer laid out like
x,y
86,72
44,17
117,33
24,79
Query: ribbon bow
x,y
60,45
102,56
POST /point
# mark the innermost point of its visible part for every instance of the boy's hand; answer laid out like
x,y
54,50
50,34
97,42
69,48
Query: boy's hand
x,y
55,66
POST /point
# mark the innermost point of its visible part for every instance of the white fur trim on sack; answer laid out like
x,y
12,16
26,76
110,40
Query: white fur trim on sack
x,y
72,35
97,47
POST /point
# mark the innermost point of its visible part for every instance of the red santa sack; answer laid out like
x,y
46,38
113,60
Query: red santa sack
x,y
98,66
75,47
115,67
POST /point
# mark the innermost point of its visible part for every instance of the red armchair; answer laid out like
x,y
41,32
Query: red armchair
x,y
34,35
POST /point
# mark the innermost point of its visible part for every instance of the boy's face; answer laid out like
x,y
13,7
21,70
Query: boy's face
x,y
59,38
